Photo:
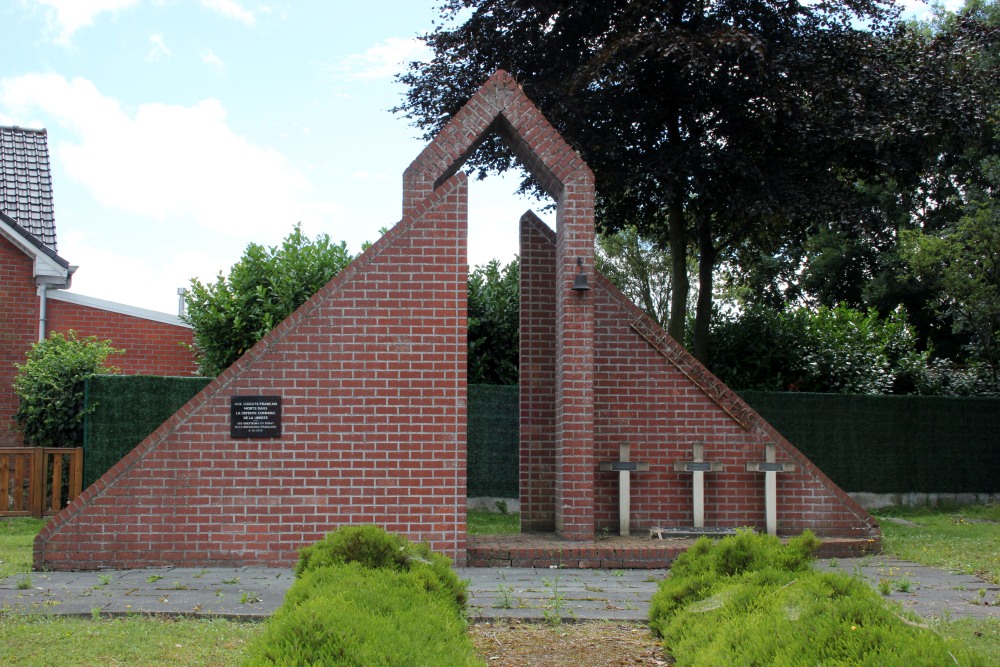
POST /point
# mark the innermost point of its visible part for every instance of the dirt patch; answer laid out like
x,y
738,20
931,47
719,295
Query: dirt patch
x,y
596,644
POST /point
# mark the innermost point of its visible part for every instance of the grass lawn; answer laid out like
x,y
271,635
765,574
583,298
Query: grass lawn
x,y
16,538
139,641
959,539
479,522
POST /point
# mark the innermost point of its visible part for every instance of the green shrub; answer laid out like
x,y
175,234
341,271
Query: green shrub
x,y
349,614
749,600
50,391
374,548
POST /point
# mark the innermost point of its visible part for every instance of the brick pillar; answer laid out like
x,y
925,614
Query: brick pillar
x,y
537,375
574,391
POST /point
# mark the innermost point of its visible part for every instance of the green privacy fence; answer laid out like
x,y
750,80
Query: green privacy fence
x,y
878,444
493,441
892,444
127,408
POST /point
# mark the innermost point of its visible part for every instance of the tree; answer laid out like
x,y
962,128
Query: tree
x,y
933,165
827,350
639,268
494,323
961,266
729,126
48,385
263,288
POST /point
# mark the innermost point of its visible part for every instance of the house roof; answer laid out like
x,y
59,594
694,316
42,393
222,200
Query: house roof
x,y
26,182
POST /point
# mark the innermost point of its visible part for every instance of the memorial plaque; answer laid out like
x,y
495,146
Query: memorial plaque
x,y
624,466
770,466
255,417
697,466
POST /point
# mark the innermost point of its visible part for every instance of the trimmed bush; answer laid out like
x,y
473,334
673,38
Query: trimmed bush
x,y
348,614
374,548
749,600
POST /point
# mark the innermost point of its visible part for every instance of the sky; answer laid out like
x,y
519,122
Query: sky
x,y
180,131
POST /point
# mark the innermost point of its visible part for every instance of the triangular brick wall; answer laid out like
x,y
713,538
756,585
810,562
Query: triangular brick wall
x,y
371,372
651,394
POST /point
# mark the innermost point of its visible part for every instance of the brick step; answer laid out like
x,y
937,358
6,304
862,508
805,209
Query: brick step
x,y
548,551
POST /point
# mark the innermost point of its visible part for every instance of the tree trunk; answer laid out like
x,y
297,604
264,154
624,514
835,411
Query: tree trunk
x,y
703,307
678,272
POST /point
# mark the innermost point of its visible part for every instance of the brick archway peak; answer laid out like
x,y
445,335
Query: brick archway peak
x,y
498,107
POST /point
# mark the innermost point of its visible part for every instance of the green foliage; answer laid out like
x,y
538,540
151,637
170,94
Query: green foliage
x,y
828,350
961,265
50,391
748,600
639,268
263,288
494,323
374,548
352,615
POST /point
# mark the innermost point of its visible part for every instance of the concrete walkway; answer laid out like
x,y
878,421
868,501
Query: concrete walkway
x,y
527,593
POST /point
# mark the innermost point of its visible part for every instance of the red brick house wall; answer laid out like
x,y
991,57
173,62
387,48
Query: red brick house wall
x,y
18,329
372,375
151,347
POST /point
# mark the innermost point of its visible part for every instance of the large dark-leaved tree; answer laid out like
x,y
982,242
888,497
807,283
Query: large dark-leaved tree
x,y
719,128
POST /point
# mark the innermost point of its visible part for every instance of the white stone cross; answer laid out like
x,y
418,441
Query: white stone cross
x,y
770,470
698,467
624,468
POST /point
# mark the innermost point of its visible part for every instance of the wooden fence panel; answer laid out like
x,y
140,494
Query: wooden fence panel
x,y
33,479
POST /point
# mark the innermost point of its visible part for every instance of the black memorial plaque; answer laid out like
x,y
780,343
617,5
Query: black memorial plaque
x,y
771,467
697,466
255,417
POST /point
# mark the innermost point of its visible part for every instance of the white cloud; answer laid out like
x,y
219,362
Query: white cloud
x,y
166,161
159,48
382,60
68,16
212,60
232,9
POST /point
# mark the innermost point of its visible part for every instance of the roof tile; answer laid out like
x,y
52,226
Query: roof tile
x,y
26,181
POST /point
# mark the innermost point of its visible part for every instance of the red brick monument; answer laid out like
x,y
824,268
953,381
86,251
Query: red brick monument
x,y
353,409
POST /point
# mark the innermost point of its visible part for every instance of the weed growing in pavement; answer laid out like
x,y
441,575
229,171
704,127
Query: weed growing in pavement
x,y
249,597
505,601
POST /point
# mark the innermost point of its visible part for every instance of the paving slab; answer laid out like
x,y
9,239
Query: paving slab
x,y
254,593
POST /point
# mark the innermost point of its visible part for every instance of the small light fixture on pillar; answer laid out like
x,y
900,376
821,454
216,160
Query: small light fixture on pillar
x,y
581,284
